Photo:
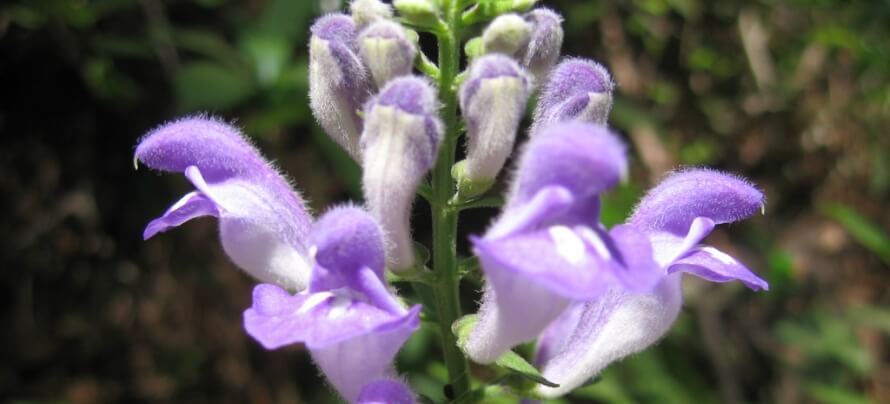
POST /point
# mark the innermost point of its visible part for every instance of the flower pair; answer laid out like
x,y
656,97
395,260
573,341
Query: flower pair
x,y
345,313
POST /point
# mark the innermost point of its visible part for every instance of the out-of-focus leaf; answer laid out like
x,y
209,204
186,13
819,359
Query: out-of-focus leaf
x,y
608,389
210,45
269,54
826,338
204,85
862,229
833,394
618,203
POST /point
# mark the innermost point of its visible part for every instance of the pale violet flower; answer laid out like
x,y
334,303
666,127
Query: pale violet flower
x,y
385,392
351,323
386,51
675,216
576,90
548,249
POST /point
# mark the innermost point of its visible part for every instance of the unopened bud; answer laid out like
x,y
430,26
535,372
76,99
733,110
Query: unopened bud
x,y
386,51
508,34
338,82
492,100
423,13
400,144
366,12
486,10
544,43
576,90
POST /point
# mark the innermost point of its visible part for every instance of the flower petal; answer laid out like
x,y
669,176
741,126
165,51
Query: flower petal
x,y
355,362
263,223
385,392
545,42
577,89
584,158
714,265
345,240
605,330
319,320
386,51
192,205
685,195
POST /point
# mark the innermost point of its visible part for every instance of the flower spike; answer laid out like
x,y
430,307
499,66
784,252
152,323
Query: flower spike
x,y
263,223
492,100
400,144
338,82
576,90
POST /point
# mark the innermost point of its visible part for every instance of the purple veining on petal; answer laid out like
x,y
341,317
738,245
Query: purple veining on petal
x,y
385,392
685,195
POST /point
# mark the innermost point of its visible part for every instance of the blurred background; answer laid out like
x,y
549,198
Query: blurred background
x,y
794,94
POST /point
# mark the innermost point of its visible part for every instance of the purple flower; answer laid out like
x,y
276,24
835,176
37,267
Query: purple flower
x,y
492,100
385,392
576,90
548,248
263,224
674,216
386,51
338,82
400,144
350,322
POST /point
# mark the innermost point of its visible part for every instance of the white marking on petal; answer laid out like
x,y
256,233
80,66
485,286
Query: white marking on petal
x,y
313,301
719,255
596,241
339,307
568,244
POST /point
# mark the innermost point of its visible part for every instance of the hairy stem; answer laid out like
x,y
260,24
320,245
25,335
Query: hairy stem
x,y
444,215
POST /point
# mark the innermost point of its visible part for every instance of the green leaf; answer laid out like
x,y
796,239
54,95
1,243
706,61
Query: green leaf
x,y
510,361
863,230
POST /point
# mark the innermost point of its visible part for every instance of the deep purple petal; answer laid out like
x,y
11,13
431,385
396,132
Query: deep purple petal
x,y
586,159
605,330
192,205
714,265
263,223
685,195
638,272
548,204
385,392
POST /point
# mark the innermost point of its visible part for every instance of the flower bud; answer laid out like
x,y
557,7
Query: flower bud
x,y
400,144
544,43
576,90
366,12
338,82
485,10
423,13
492,100
386,51
507,34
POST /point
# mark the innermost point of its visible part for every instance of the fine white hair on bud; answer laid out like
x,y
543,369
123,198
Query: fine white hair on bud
x,y
400,143
386,51
508,34
492,100
576,90
544,44
338,82
366,12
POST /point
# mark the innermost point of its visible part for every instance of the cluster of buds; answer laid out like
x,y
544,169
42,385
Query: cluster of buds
x,y
554,274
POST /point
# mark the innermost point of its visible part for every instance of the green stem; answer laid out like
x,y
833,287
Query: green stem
x,y
446,289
